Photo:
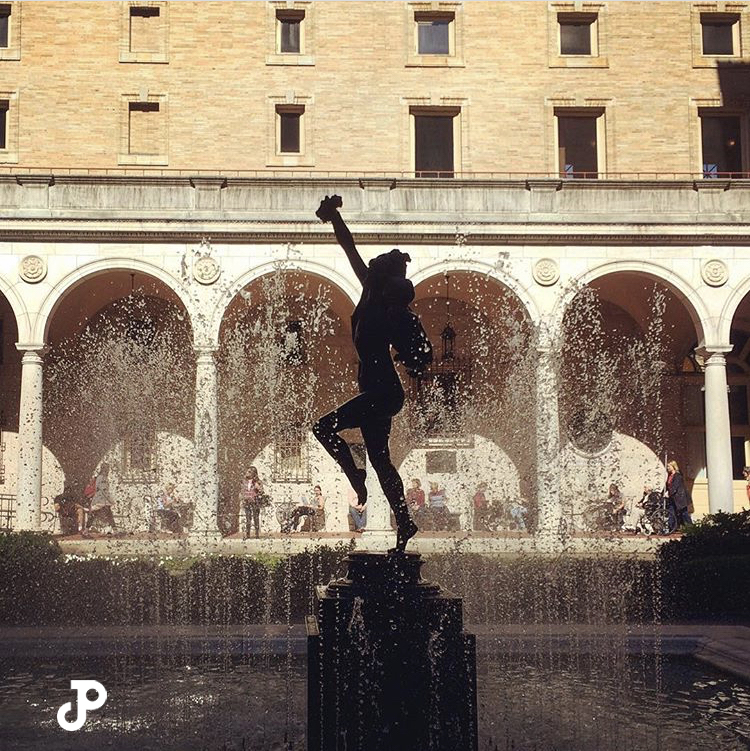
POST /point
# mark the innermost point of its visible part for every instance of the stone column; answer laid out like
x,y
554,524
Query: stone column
x,y
547,447
206,449
718,434
29,484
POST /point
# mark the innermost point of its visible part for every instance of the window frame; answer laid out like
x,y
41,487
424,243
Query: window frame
x,y
723,19
305,11
296,104
599,114
9,154
596,12
423,11
285,15
421,17
593,24
159,158
744,123
13,50
127,55
290,109
136,475
291,441
740,32
436,111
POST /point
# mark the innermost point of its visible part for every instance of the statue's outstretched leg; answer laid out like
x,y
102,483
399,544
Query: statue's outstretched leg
x,y
326,430
376,433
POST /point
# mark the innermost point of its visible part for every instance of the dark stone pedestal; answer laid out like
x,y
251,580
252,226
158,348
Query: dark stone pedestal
x,y
390,667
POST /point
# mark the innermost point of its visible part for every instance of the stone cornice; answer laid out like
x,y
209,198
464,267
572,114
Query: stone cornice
x,y
260,236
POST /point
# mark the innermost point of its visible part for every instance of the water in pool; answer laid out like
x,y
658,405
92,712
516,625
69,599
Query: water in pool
x,y
527,702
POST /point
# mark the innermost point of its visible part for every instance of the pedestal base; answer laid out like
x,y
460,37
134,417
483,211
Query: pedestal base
x,y
389,664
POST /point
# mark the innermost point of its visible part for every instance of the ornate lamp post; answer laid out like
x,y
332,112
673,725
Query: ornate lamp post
x,y
448,334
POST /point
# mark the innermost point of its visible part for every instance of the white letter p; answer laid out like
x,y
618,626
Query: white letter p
x,y
82,703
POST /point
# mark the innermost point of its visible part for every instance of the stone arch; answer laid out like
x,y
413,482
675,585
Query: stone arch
x,y
486,269
17,305
341,282
685,293
729,311
98,268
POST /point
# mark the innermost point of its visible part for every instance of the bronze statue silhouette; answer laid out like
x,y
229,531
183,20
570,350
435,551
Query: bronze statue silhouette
x,y
381,319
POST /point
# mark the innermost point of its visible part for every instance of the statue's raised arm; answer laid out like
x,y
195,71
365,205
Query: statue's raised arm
x,y
328,211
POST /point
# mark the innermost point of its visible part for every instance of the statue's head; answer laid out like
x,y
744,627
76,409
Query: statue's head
x,y
392,263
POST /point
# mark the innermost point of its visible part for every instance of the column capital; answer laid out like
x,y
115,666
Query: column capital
x,y
32,348
713,349
205,352
715,355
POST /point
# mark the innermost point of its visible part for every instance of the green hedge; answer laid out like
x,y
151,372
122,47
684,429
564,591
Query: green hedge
x,y
40,586
705,574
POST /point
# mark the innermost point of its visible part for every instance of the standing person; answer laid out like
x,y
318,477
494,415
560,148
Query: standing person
x,y
479,502
252,499
679,498
101,503
746,475
381,319
616,507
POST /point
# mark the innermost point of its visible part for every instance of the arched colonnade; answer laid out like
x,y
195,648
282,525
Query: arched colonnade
x,y
205,306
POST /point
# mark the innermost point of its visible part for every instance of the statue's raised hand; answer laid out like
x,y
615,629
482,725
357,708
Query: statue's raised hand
x,y
328,206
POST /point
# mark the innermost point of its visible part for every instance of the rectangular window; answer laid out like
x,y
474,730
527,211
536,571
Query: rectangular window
x,y
143,128
577,145
140,464
145,29
576,33
434,33
433,145
289,133
291,455
4,123
289,31
720,33
4,25
721,145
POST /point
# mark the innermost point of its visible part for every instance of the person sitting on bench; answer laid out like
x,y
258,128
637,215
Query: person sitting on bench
x,y
316,513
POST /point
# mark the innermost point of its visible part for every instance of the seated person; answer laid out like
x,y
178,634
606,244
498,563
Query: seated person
x,y
415,499
166,509
316,513
68,509
438,507
358,513
518,513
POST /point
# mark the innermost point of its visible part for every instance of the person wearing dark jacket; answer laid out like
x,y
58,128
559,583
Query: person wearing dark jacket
x,y
679,498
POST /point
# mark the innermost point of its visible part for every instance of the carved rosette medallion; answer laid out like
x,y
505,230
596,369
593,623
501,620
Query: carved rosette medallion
x,y
546,272
715,272
206,270
32,269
